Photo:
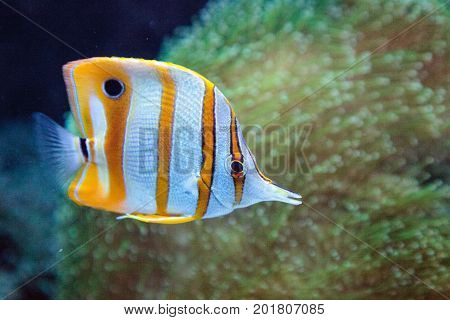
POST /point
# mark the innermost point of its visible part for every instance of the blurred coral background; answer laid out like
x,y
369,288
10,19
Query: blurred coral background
x,y
375,223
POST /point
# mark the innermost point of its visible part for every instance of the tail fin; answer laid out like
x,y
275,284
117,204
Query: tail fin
x,y
59,149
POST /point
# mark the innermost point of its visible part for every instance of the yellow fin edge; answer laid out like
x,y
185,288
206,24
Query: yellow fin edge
x,y
154,218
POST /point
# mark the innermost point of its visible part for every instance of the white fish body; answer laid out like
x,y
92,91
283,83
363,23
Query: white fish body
x,y
160,143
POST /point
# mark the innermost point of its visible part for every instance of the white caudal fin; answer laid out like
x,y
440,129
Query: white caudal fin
x,y
59,149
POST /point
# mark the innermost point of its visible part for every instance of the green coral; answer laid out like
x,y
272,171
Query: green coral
x,y
375,223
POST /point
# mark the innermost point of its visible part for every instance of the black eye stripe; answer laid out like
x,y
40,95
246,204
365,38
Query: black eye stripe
x,y
113,88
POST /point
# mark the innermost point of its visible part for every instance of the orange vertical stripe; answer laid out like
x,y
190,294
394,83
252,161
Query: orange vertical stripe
x,y
116,119
164,139
208,150
99,70
236,155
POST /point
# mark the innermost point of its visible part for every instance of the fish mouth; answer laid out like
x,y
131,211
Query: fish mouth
x,y
294,199
280,194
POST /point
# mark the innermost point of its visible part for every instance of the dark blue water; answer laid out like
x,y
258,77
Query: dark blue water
x,y
36,39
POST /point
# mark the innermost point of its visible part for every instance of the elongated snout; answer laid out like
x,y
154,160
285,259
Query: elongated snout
x,y
274,192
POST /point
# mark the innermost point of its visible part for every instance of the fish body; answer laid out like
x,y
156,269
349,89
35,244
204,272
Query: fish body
x,y
159,143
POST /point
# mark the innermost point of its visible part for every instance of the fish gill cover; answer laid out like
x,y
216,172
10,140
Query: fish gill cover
x,y
375,153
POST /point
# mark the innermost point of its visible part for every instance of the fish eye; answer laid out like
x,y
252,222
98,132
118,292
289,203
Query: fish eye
x,y
113,88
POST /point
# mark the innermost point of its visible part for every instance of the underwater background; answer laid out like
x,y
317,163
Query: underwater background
x,y
370,79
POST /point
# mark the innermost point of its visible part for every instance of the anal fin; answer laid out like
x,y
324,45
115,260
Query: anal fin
x,y
155,218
